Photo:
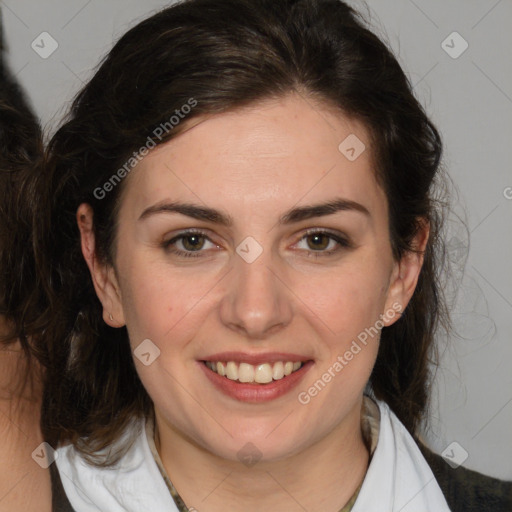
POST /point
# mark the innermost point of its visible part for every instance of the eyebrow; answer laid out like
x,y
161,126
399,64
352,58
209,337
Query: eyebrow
x,y
292,216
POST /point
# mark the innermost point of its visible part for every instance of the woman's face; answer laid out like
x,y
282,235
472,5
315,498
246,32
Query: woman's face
x,y
269,276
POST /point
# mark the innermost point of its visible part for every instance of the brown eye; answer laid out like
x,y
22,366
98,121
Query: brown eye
x,y
193,242
323,243
189,244
318,241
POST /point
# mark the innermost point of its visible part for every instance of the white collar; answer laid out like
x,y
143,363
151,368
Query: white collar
x,y
132,485
398,478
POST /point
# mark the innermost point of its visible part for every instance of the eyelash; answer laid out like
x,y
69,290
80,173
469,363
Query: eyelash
x,y
342,243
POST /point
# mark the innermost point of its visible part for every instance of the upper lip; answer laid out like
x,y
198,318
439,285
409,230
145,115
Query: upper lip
x,y
264,357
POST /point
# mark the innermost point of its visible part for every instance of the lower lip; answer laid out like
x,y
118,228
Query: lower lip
x,y
252,392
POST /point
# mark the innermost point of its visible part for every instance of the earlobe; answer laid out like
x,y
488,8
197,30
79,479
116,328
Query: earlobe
x,y
103,275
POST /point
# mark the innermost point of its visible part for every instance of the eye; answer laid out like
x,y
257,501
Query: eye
x,y
194,243
323,243
188,244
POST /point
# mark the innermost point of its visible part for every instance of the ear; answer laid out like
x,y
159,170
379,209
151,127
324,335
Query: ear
x,y
103,275
405,274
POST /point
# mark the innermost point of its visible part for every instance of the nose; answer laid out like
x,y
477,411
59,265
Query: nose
x,y
257,302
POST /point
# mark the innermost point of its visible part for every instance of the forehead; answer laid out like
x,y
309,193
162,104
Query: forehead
x,y
270,155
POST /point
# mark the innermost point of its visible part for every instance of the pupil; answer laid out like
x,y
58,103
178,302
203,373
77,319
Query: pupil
x,y
193,242
318,238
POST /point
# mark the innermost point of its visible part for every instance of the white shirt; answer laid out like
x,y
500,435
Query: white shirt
x,y
398,478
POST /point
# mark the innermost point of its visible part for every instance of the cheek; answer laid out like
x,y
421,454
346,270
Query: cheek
x,y
146,299
161,303
348,299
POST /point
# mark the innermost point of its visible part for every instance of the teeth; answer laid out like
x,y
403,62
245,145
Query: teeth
x,y
220,369
246,372
232,371
262,373
278,371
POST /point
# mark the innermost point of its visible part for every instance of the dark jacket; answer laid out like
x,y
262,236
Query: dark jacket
x,y
469,491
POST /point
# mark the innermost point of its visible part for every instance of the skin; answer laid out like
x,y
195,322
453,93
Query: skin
x,y
254,165
24,485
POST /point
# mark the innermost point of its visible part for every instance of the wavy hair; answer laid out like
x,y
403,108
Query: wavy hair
x,y
21,151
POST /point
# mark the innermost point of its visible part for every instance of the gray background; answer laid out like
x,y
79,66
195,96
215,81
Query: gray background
x,y
470,100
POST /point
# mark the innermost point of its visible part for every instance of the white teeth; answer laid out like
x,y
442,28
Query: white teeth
x,y
263,374
247,373
232,371
278,371
220,369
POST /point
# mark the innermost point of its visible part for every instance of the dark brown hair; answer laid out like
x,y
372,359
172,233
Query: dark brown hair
x,y
224,54
21,152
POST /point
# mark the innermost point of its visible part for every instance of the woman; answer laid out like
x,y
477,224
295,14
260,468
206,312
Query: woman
x,y
24,483
241,243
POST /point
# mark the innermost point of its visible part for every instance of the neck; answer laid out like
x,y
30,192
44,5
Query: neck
x,y
322,477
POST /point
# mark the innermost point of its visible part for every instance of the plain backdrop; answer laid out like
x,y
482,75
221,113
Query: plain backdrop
x,y
468,95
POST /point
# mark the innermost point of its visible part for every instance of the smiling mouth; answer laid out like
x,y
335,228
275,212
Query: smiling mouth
x,y
254,374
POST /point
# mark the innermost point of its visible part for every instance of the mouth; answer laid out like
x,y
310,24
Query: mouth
x,y
248,373
255,379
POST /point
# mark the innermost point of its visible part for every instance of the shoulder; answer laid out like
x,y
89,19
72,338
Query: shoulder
x,y
466,490
123,478
463,489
